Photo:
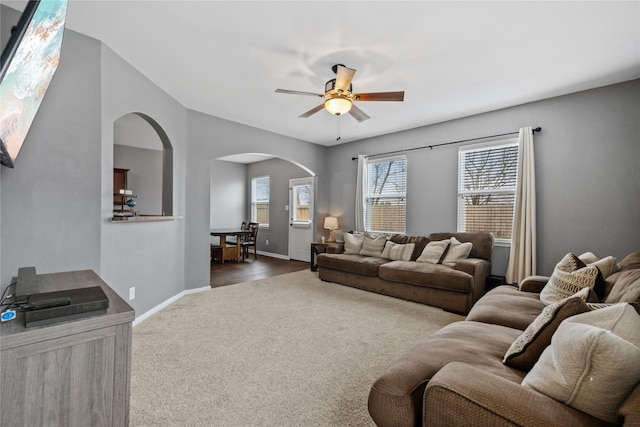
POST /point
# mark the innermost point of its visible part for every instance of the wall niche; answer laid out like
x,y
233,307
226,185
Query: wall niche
x,y
143,149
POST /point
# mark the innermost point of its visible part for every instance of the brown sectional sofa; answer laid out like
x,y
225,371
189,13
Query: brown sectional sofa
x,y
456,376
454,289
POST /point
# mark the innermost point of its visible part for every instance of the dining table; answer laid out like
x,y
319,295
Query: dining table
x,y
230,252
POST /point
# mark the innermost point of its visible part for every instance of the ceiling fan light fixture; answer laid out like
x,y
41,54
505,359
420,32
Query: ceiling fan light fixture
x,y
338,105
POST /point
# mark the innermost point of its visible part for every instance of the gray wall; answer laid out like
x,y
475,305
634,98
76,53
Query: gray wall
x,y
210,138
586,172
150,255
228,195
50,211
279,173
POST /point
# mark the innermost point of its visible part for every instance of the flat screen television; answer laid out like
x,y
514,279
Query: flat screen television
x,y
27,65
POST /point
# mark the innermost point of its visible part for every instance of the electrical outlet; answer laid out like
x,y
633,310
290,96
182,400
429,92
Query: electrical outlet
x,y
132,293
267,242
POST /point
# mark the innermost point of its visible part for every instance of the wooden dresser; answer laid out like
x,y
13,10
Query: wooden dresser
x,y
74,373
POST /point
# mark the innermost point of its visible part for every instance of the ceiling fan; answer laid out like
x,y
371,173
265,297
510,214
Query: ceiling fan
x,y
339,96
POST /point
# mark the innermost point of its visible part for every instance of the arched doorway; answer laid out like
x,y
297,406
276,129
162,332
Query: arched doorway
x,y
233,179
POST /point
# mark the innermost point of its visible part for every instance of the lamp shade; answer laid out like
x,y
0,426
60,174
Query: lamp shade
x,y
331,222
337,105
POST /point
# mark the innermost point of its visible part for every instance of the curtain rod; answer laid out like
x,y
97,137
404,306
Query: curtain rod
x,y
537,129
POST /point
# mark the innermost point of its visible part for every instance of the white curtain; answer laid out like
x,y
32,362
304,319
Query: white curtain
x,y
361,181
522,257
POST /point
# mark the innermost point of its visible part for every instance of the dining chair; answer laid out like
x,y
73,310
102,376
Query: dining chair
x,y
250,240
232,240
216,253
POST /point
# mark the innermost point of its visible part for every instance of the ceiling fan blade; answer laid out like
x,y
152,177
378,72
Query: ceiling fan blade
x,y
358,114
312,111
344,75
297,92
380,96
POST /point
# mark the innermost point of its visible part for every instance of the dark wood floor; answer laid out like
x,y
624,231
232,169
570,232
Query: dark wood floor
x,y
252,269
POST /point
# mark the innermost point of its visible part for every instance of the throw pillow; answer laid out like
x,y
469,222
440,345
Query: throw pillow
x,y
569,276
353,243
607,266
398,252
373,245
434,252
588,257
527,348
457,250
593,362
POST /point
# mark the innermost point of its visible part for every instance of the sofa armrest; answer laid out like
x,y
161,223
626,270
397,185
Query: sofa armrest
x,y
460,394
480,270
533,283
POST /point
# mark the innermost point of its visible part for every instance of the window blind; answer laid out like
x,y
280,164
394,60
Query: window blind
x,y
385,195
260,200
487,177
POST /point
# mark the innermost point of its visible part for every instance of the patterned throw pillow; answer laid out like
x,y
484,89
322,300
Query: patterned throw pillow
x,y
434,252
527,348
593,362
457,250
373,245
569,276
353,243
398,252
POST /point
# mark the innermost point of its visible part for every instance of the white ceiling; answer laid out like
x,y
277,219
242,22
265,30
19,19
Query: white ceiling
x,y
452,59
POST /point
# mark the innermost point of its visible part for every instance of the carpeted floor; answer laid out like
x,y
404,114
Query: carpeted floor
x,y
290,350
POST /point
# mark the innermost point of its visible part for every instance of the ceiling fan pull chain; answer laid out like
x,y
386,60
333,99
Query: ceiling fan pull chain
x,y
338,125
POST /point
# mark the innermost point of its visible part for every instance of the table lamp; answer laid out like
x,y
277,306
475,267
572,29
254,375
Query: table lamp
x,y
331,224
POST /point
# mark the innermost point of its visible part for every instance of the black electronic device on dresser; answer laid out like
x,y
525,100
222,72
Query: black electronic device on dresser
x,y
44,308
52,307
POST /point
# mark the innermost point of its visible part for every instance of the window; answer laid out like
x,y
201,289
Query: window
x,y
260,200
487,188
385,195
301,201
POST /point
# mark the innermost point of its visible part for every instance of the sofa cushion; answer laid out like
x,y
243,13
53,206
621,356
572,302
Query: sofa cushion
x,y
373,245
569,276
507,306
399,252
434,252
396,396
482,242
353,243
593,362
527,348
427,275
357,264
456,251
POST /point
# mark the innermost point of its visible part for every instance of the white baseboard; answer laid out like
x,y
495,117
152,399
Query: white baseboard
x,y
162,305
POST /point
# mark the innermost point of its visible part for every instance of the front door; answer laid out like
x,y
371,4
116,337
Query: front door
x,y
301,224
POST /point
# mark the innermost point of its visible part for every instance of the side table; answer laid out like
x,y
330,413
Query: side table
x,y
318,248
